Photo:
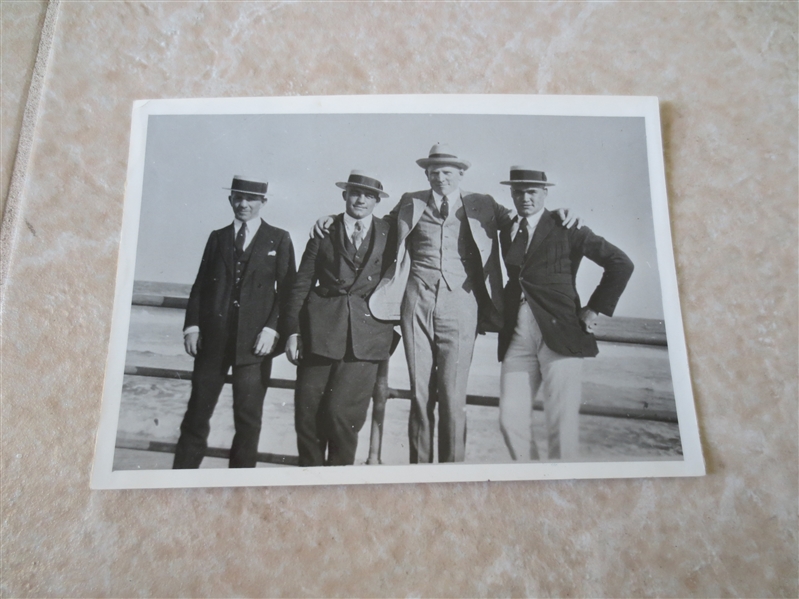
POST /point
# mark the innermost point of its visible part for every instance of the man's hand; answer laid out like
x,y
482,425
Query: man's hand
x,y
192,343
588,319
322,227
568,218
265,343
294,349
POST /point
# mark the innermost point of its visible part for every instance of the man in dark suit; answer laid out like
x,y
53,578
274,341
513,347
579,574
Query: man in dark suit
x,y
333,337
231,321
444,287
546,331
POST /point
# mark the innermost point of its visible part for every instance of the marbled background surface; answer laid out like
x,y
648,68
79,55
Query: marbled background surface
x,y
726,74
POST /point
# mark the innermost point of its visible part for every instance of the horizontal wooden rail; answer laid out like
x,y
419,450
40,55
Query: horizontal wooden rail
x,y
212,452
618,330
474,400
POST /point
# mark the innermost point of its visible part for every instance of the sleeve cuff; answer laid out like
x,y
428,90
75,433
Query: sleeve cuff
x,y
192,329
271,330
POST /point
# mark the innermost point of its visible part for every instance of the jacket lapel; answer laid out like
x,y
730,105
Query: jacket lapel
x,y
542,231
407,218
343,243
419,205
477,224
377,245
262,243
229,247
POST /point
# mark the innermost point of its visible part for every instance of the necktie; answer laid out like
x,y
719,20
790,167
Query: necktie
x,y
357,234
240,238
444,208
518,248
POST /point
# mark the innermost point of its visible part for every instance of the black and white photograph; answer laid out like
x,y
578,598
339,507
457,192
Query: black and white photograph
x,y
380,289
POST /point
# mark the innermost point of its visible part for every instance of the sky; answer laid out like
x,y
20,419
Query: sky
x,y
598,164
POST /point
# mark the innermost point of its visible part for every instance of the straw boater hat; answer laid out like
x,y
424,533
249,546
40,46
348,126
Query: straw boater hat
x,y
440,155
521,175
361,180
243,185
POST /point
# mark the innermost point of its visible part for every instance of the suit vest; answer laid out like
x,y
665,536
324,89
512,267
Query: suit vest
x,y
240,268
356,256
440,249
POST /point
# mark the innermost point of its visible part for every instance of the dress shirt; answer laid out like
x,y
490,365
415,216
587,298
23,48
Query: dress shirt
x,y
454,198
252,229
349,224
532,222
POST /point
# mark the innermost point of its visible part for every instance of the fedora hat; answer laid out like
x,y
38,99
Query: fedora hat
x,y
441,154
361,180
521,175
243,185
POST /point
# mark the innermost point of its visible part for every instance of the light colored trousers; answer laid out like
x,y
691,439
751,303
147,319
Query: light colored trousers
x,y
528,365
439,328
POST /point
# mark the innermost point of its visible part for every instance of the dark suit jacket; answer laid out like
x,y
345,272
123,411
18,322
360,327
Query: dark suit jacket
x,y
264,288
327,305
547,279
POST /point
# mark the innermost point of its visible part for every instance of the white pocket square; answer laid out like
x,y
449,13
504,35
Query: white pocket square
x,y
272,253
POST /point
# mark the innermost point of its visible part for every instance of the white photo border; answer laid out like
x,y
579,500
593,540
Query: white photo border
x,y
692,461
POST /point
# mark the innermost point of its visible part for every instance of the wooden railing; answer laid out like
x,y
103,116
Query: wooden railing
x,y
648,333
472,400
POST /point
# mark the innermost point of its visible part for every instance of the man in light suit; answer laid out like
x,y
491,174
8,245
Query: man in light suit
x,y
445,287
231,322
547,332
333,338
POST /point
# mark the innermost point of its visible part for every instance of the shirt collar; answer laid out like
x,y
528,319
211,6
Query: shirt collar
x,y
349,222
452,197
252,225
532,221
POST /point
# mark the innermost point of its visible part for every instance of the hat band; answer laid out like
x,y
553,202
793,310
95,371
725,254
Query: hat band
x,y
244,186
519,175
443,156
366,181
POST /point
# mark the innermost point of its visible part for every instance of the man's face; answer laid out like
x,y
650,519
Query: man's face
x,y
444,179
360,202
528,199
246,206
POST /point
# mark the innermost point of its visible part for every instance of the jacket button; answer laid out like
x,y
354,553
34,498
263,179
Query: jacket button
x,y
554,321
369,277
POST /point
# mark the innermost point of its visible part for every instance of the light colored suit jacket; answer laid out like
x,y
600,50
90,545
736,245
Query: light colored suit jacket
x,y
485,218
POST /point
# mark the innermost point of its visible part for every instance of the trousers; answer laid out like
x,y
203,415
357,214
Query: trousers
x,y
250,383
528,366
330,405
439,327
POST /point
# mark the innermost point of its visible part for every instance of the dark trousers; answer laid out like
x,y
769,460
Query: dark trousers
x,y
249,389
330,405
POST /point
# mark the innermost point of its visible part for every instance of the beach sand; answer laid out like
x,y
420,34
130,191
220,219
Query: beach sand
x,y
623,375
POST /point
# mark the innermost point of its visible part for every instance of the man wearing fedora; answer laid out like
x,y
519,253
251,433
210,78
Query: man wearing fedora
x,y
231,322
333,338
445,287
546,330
